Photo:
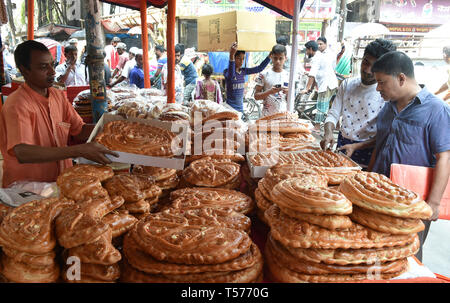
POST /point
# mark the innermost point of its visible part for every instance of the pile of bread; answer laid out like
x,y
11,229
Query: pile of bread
x,y
280,132
363,229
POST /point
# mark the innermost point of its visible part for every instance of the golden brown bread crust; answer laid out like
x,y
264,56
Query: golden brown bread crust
x,y
281,125
145,263
291,194
278,273
137,138
313,176
82,187
24,273
101,172
296,233
222,116
139,207
100,207
279,116
247,275
74,228
220,156
29,227
4,209
378,193
119,221
198,197
211,173
342,256
325,221
176,238
132,187
261,201
385,223
290,262
47,259
96,273
99,251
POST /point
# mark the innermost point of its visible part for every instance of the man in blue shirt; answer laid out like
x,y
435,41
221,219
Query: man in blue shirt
x,y
413,128
137,73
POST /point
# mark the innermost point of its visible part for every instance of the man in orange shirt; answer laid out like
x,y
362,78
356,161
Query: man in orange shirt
x,y
37,120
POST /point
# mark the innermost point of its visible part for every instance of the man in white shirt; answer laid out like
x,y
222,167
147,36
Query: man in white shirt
x,y
179,79
322,73
71,72
325,50
357,105
272,84
112,56
131,63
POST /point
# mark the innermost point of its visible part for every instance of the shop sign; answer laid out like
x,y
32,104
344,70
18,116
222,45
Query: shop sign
x,y
415,11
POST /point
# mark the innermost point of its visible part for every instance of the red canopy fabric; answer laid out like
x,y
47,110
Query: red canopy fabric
x,y
135,4
285,8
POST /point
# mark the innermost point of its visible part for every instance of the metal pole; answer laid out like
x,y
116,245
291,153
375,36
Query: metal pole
x,y
30,15
343,17
293,73
95,57
171,51
144,30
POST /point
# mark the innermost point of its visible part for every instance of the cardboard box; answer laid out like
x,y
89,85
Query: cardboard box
x,y
176,162
260,171
252,31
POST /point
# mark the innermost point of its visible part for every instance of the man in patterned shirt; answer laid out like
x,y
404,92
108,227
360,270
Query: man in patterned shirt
x,y
358,103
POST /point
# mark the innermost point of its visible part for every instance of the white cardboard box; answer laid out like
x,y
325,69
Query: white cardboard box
x,y
176,162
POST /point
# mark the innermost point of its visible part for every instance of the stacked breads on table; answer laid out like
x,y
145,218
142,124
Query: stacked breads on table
x,y
328,220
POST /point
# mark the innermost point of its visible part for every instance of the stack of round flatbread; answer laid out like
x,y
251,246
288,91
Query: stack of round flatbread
x,y
364,230
204,245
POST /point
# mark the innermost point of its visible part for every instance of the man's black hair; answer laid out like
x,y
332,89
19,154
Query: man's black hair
x,y
394,63
379,47
180,48
279,49
207,69
239,52
323,39
312,45
446,50
70,48
22,54
282,40
160,48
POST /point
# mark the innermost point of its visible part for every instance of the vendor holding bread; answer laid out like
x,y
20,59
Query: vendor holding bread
x,y
412,128
37,120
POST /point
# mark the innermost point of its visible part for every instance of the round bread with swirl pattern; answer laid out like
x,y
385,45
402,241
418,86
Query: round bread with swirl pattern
x,y
29,227
279,116
47,259
311,177
177,238
25,273
248,275
200,197
341,256
385,223
291,194
132,188
146,263
100,207
101,172
279,273
289,261
138,138
296,233
158,173
209,172
378,193
282,126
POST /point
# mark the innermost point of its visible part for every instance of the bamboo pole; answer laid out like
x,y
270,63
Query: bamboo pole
x,y
144,30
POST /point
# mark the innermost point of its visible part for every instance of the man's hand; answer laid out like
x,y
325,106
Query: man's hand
x,y
349,148
435,207
95,152
328,139
275,90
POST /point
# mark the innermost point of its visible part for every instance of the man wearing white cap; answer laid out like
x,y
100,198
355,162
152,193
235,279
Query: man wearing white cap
x,y
127,68
123,58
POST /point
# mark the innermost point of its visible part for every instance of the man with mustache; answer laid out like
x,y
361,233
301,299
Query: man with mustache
x,y
37,120
358,103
